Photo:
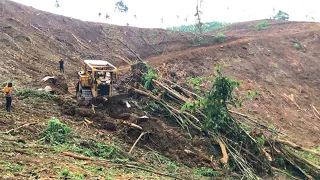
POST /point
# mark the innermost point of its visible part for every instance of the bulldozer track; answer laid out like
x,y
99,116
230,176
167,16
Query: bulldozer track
x,y
86,94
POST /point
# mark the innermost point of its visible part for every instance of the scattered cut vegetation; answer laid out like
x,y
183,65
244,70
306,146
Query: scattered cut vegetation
x,y
34,93
209,113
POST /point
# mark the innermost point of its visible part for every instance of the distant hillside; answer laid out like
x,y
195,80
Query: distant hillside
x,y
207,27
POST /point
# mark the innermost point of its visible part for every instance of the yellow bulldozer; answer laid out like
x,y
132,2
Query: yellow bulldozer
x,y
97,80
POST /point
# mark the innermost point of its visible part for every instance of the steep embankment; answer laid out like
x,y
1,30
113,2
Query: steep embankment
x,y
264,61
267,62
32,41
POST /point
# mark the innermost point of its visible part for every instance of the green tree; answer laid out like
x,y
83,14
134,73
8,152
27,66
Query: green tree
x,y
281,16
121,7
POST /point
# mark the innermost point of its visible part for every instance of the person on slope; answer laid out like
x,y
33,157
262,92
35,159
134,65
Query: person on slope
x,y
61,63
8,95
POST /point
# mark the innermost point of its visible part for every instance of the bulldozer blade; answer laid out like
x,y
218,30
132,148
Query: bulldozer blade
x,y
123,98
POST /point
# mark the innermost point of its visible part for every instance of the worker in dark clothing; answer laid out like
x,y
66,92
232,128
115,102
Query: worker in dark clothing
x,y
7,94
61,62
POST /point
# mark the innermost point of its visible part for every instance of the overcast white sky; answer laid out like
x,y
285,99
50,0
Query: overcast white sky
x,y
149,12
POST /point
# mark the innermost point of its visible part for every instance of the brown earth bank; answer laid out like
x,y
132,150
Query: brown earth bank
x,y
264,61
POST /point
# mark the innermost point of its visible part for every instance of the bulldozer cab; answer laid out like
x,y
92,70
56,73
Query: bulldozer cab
x,y
96,79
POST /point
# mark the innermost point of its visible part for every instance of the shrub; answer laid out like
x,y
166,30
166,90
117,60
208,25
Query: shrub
x,y
297,46
220,37
261,25
56,132
147,78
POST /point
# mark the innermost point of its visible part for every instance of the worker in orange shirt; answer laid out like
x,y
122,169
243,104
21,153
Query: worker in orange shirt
x,y
8,95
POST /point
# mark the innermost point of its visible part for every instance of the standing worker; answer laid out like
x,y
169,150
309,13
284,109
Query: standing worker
x,y
7,94
61,62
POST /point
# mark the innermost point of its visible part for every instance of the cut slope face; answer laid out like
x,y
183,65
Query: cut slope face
x,y
270,63
33,41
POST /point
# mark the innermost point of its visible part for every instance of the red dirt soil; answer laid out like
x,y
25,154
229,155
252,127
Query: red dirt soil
x,y
265,61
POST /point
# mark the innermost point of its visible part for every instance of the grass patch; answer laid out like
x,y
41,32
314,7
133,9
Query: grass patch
x,y
206,172
98,150
34,93
66,174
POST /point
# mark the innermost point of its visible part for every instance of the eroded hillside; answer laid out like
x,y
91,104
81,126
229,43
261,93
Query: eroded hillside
x,y
275,62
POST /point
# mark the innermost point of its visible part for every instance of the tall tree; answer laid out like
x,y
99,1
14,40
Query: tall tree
x,y
57,4
198,16
121,7
281,16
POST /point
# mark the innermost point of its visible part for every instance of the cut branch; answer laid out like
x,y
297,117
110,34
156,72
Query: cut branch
x,y
79,41
135,143
15,129
225,156
155,172
77,156
131,50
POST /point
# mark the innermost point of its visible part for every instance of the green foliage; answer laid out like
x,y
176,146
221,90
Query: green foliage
x,y
155,91
252,95
152,106
157,51
261,25
66,174
261,140
172,167
8,166
251,53
220,37
35,93
276,65
281,16
297,46
56,132
204,171
30,100
195,82
309,156
147,78
97,150
206,27
214,105
201,40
